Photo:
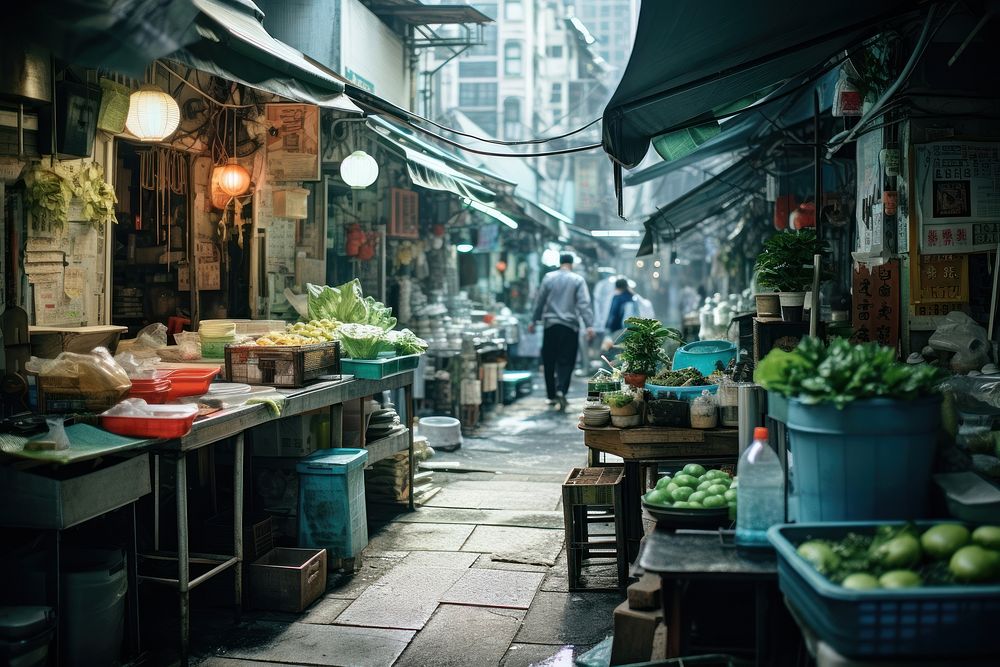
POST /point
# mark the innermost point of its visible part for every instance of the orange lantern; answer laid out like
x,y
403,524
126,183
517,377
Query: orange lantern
x,y
232,178
501,266
783,206
804,216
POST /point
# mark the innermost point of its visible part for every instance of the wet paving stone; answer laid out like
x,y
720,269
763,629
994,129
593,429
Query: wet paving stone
x,y
494,588
459,636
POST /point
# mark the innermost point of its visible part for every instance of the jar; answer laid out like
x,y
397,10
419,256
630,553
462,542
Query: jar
x,y
728,397
703,411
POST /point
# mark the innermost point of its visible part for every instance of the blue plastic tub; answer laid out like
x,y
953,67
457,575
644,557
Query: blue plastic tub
x,y
703,354
682,393
332,513
870,461
924,622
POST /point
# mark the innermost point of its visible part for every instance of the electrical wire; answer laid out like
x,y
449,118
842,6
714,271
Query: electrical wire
x,y
203,93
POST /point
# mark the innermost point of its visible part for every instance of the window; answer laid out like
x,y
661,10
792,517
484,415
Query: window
x,y
512,118
605,11
482,69
487,120
556,97
477,95
512,58
489,45
513,10
554,51
488,8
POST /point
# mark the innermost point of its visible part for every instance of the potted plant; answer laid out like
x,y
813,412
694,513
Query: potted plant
x,y
863,426
642,348
785,266
621,403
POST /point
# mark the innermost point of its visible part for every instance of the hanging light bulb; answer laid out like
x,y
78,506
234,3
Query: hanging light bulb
x,y
359,170
153,115
232,178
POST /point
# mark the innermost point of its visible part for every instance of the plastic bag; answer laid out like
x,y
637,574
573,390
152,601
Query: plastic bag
x,y
152,337
87,374
137,367
598,656
56,439
961,335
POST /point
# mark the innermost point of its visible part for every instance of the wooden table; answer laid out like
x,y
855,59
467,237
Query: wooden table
x,y
653,444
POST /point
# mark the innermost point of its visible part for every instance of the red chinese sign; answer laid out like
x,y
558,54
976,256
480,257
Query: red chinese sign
x,y
876,304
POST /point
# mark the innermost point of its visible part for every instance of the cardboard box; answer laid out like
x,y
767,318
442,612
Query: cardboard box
x,y
296,436
634,632
288,579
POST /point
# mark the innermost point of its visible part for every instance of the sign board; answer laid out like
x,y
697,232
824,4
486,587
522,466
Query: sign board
x,y
943,279
876,304
958,195
293,143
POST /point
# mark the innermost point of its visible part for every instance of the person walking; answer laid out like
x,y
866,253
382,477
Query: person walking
x,y
623,306
563,303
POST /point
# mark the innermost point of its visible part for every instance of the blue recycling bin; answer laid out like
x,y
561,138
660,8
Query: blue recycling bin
x,y
332,513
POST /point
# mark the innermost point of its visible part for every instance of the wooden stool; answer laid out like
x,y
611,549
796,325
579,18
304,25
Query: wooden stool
x,y
594,495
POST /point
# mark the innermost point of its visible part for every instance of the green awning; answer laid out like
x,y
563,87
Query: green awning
x,y
690,58
231,42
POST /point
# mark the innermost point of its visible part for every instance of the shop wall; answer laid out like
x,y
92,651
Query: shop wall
x,y
372,56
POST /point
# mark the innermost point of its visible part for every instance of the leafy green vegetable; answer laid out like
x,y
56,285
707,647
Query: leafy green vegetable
x,y
786,262
348,304
844,372
361,341
405,342
682,377
642,345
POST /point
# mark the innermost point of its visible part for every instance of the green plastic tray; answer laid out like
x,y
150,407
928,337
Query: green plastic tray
x,y
376,369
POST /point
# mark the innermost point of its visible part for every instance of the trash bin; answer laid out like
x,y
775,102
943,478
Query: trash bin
x,y
25,635
332,512
93,622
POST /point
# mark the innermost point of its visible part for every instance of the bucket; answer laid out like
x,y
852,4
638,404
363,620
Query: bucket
x,y
703,355
768,304
870,461
792,305
93,624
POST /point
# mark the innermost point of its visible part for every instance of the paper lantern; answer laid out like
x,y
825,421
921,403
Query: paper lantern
x,y
359,170
233,179
802,217
153,115
783,206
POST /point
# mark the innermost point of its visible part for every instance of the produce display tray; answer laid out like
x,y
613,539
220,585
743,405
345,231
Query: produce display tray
x,y
167,421
282,366
190,381
376,369
925,622
688,518
683,393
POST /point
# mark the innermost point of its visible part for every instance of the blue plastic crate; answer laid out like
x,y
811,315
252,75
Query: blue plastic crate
x,y
332,513
925,622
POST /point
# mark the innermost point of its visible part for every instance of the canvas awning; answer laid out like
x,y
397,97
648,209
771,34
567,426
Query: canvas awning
x,y
231,42
691,60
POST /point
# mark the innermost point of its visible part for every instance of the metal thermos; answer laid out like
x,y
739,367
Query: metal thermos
x,y
752,403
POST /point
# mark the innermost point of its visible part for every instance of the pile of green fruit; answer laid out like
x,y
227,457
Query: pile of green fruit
x,y
694,488
903,557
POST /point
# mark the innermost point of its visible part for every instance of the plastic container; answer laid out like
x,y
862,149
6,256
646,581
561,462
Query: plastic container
x,y
93,624
703,355
332,513
151,391
215,348
441,432
190,381
872,460
167,421
704,413
376,369
921,623
760,495
25,635
970,497
682,393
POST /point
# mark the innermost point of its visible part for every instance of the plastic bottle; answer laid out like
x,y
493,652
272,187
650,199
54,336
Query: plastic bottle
x,y
760,495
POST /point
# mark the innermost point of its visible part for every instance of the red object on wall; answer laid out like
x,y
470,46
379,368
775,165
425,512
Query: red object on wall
x,y
353,241
804,216
783,206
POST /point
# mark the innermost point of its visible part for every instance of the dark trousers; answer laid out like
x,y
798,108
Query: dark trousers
x,y
559,347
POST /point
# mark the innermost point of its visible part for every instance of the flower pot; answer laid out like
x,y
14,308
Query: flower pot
x,y
637,380
768,304
870,461
792,304
623,411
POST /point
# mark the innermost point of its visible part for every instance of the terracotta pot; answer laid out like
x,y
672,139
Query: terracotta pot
x,y
637,380
768,304
623,411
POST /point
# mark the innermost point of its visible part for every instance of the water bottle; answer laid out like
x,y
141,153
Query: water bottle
x,y
760,495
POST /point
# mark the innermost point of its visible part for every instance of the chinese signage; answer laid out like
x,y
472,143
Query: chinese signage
x,y
876,304
293,142
958,190
943,279
358,80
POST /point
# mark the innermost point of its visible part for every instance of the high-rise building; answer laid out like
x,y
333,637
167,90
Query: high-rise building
x,y
612,23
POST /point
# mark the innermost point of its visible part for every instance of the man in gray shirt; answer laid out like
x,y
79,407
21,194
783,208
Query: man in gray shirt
x,y
563,303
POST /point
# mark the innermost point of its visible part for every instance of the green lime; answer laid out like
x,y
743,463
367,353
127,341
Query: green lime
x,y
724,481
697,497
686,480
717,489
730,495
860,581
900,579
715,474
658,497
987,536
662,482
944,539
671,487
682,493
694,469
974,563
902,551
713,502
696,506
819,554
704,486
681,505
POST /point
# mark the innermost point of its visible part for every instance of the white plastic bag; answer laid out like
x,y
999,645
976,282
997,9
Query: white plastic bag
x,y
960,335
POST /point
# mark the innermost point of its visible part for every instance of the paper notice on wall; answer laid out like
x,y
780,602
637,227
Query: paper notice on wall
x,y
43,257
43,244
74,279
52,308
184,278
280,246
209,275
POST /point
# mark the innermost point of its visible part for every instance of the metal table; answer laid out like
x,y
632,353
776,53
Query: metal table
x,y
233,423
654,444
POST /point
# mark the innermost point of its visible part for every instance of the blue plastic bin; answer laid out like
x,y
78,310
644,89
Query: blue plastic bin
x,y
332,513
925,622
872,460
681,393
703,354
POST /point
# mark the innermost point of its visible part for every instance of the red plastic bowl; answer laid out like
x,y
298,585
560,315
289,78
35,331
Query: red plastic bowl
x,y
191,381
150,427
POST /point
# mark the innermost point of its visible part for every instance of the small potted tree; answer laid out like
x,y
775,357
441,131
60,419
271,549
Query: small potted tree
x,y
642,349
785,266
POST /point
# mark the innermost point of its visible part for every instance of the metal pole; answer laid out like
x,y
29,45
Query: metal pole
x,y
183,557
238,461
817,165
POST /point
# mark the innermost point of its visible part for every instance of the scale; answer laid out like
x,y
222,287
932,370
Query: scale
x,y
17,353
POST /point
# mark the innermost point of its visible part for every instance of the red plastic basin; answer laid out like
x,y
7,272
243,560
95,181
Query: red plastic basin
x,y
173,421
190,381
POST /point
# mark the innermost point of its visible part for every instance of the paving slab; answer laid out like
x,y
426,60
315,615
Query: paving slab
x,y
543,655
535,546
419,537
519,518
486,561
494,588
569,618
405,598
308,644
458,636
455,560
325,611
498,495
351,585
215,661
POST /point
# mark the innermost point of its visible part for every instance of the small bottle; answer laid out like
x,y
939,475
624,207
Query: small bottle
x,y
760,495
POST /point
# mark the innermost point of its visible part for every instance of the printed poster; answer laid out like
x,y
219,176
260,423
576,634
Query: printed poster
x,y
943,279
876,304
958,190
293,142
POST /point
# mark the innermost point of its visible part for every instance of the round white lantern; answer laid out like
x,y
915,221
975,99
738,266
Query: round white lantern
x,y
359,170
234,180
153,115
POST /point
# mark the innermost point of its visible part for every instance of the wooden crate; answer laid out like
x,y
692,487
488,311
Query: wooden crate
x,y
592,486
769,334
288,579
